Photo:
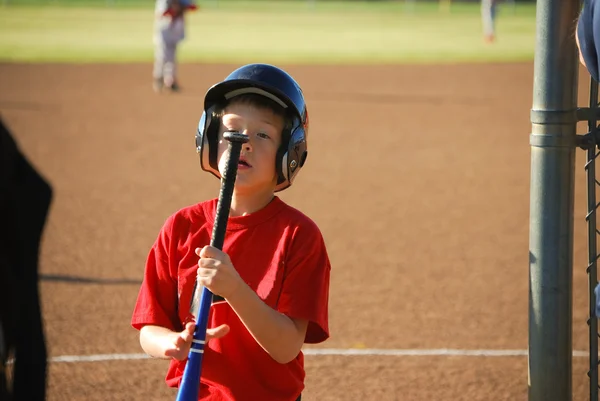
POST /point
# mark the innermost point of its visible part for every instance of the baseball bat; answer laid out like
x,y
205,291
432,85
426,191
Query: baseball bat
x,y
190,382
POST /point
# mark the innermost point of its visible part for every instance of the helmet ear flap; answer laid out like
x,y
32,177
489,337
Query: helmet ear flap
x,y
207,141
291,157
281,162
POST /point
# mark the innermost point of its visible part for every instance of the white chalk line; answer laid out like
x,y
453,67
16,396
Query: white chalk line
x,y
333,352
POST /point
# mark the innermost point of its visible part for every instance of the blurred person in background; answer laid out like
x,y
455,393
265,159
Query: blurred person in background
x,y
24,202
169,30
587,38
488,19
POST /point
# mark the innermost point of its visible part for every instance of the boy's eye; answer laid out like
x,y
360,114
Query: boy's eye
x,y
263,135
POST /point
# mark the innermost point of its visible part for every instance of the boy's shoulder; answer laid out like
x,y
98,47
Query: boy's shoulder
x,y
299,218
192,214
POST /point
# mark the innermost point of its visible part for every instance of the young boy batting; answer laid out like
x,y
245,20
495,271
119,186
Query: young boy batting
x,y
272,277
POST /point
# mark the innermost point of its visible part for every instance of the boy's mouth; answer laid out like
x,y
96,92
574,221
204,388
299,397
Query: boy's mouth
x,y
243,163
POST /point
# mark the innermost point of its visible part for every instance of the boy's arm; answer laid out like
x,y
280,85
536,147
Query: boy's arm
x,y
160,342
279,335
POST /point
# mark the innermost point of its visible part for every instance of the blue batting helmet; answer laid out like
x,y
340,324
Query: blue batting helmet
x,y
275,84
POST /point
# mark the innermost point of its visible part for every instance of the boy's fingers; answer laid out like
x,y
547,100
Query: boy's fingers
x,y
205,252
217,332
198,250
181,339
175,354
188,333
205,262
210,252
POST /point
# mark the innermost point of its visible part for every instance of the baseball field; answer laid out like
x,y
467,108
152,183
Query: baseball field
x,y
418,176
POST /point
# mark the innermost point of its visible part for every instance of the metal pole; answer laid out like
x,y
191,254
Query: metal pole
x,y
553,141
592,269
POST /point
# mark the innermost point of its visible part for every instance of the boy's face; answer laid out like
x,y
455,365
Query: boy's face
x,y
256,169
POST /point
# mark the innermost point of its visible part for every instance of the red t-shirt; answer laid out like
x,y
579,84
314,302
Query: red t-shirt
x,y
280,254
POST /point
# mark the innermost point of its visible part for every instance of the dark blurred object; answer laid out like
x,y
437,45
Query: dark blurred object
x,y
588,36
24,203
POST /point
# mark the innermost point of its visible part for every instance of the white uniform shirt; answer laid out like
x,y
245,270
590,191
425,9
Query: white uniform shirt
x,y
166,29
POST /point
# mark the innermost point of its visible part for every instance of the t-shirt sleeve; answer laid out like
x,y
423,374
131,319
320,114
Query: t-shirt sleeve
x,y
305,290
157,299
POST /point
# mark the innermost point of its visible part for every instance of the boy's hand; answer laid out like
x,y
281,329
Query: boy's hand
x,y
216,272
179,344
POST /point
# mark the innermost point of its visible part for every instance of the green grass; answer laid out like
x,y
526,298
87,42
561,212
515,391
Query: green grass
x,y
277,32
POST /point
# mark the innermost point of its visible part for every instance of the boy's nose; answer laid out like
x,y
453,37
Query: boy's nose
x,y
247,146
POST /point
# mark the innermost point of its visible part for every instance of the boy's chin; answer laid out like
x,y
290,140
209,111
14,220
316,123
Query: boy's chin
x,y
243,186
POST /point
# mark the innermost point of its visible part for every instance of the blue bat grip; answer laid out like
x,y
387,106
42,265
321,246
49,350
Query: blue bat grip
x,y
190,382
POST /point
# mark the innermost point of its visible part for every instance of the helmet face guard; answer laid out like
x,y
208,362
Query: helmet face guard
x,y
270,82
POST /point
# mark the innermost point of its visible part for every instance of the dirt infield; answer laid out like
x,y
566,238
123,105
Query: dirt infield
x,y
417,176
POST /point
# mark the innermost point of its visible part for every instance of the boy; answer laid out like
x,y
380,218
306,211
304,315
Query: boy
x,y
169,30
273,272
